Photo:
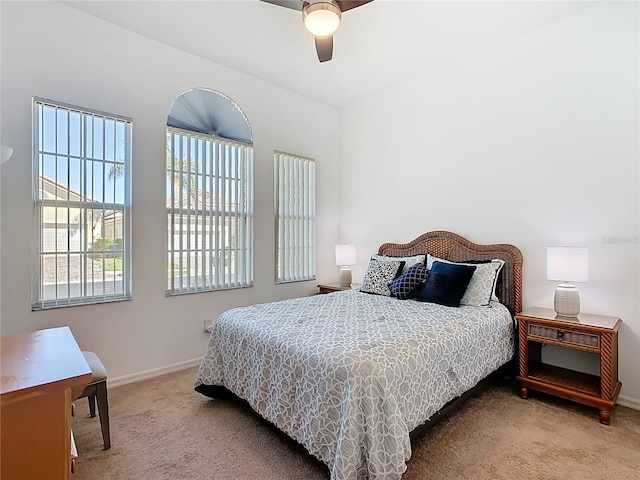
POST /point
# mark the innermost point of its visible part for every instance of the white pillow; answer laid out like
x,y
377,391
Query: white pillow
x,y
481,289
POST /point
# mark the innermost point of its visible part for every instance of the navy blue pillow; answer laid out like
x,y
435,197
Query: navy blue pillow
x,y
406,285
446,284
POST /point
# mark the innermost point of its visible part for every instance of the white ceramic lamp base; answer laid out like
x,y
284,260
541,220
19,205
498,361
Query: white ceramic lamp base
x,y
345,276
566,301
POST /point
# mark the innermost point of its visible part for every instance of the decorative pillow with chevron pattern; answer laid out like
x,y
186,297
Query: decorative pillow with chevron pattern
x,y
407,284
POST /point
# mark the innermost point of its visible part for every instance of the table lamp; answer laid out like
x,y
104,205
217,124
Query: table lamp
x,y
345,257
567,264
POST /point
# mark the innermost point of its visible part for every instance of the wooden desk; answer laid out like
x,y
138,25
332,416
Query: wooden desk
x,y
42,373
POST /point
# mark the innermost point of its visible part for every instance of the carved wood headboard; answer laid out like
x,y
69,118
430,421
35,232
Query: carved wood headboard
x,y
451,246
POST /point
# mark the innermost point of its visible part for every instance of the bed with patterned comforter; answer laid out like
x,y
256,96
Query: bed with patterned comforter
x,y
349,375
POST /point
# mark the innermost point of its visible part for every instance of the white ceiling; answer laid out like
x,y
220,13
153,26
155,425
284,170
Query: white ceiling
x,y
377,44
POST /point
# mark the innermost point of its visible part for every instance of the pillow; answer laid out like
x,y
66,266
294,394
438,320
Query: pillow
x,y
482,287
379,275
498,264
408,261
446,284
406,285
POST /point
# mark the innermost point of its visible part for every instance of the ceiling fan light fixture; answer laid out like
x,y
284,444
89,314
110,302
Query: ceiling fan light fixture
x,y
322,18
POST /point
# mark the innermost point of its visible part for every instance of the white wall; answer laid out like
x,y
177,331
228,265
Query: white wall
x,y
52,51
534,142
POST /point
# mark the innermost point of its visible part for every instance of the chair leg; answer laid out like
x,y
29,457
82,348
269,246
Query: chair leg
x,y
103,409
92,405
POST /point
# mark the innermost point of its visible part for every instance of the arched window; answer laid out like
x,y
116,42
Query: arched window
x,y
209,190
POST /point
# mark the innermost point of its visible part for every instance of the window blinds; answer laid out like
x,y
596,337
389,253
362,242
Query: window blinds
x,y
81,193
295,209
209,213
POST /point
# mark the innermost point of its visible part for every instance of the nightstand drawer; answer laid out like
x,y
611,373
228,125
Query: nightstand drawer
x,y
589,341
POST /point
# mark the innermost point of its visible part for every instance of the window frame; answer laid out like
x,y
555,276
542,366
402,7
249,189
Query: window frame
x,y
295,217
214,213
85,204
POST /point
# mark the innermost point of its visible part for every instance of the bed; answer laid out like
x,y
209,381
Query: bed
x,y
349,375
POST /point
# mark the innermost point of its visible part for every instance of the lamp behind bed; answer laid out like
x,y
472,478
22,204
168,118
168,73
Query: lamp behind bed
x,y
345,257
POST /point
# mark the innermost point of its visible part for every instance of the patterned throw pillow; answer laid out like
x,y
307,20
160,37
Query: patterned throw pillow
x,y
406,285
446,284
408,261
481,289
482,284
379,275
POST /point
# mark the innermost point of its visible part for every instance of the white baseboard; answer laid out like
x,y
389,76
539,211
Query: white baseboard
x,y
629,402
154,372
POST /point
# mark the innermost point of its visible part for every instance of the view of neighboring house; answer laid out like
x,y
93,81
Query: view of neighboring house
x,y
193,228
63,229
75,243
112,224
71,233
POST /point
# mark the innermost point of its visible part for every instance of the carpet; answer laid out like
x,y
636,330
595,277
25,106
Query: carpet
x,y
162,429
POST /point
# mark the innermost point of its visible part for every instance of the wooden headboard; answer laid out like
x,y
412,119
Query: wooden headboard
x,y
451,246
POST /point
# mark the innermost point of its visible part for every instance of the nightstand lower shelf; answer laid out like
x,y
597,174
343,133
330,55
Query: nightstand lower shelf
x,y
569,384
565,378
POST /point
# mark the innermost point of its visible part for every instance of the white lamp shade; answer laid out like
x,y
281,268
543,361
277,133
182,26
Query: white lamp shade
x,y
321,19
345,254
568,264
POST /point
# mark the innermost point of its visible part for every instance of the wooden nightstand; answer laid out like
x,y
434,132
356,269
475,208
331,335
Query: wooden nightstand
x,y
589,333
334,287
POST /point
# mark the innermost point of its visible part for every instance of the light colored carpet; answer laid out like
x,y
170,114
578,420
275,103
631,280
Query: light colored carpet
x,y
162,429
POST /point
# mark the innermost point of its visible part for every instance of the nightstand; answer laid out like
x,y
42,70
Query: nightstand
x,y
596,334
334,287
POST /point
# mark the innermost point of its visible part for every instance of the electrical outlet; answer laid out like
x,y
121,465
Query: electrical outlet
x,y
207,326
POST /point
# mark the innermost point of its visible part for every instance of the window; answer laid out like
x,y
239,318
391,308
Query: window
x,y
295,197
81,185
209,212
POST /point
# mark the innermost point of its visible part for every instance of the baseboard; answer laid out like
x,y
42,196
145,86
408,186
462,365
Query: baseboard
x,y
155,372
629,402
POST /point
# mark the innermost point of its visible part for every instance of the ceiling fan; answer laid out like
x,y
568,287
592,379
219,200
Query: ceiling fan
x,y
321,18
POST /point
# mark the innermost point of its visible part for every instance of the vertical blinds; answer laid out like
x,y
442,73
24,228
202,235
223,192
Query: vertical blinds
x,y
209,213
295,208
81,197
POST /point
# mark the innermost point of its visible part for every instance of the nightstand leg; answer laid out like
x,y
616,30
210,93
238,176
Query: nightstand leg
x,y
524,392
605,416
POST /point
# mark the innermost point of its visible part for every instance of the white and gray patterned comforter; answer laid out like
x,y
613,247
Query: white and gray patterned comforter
x,y
349,375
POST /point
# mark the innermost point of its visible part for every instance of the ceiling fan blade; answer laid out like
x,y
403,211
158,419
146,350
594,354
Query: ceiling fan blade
x,y
350,4
292,4
324,47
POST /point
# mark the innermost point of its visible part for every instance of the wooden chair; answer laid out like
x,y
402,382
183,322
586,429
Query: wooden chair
x,y
97,389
